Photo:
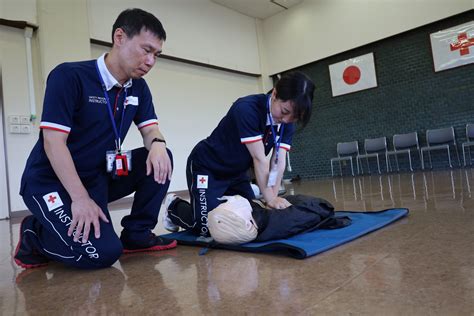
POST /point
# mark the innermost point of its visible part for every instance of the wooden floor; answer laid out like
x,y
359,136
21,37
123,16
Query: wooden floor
x,y
420,265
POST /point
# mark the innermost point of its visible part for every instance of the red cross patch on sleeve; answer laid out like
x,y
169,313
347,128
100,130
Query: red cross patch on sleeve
x,y
53,201
202,181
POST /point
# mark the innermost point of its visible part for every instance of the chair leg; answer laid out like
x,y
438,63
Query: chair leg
x,y
368,166
449,158
361,166
332,168
457,154
386,162
396,160
409,161
464,154
352,167
470,158
357,163
378,163
431,163
422,160
340,168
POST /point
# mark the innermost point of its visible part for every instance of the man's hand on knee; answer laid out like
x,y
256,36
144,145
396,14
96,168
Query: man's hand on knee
x,y
85,212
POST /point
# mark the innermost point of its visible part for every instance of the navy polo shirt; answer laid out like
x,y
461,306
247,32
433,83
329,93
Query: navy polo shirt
x,y
224,152
75,104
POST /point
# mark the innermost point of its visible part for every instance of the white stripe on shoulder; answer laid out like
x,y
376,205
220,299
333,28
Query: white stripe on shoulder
x,y
55,126
285,146
252,139
148,122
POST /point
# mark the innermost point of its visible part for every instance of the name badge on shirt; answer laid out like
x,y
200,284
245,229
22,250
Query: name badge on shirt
x,y
131,100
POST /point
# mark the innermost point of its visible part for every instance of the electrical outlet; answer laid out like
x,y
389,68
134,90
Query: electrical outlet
x,y
14,119
25,129
24,120
15,129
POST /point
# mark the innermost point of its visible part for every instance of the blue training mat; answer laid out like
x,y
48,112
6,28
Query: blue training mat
x,y
308,244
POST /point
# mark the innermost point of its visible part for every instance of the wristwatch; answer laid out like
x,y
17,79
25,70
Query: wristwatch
x,y
159,140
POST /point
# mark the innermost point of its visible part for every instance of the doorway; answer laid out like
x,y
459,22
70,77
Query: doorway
x,y
4,192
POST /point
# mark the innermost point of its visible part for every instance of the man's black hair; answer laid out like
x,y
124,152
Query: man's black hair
x,y
132,21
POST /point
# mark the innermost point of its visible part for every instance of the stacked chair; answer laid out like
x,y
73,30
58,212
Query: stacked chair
x,y
374,147
403,144
346,151
440,139
468,143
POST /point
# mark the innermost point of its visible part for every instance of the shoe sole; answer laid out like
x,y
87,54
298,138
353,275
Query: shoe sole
x,y
154,248
17,261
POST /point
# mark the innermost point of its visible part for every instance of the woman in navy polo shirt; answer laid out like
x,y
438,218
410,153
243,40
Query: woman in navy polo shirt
x,y
253,127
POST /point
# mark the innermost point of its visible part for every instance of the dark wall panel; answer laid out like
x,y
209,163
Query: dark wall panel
x,y
410,97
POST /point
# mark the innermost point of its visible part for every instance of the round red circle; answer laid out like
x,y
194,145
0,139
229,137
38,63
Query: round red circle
x,y
351,75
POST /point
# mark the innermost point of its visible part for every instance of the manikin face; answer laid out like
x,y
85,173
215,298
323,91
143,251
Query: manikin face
x,y
282,111
139,53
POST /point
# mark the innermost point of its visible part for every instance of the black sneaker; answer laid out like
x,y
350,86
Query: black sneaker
x,y
153,243
26,256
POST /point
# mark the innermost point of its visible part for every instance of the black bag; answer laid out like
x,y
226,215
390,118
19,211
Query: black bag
x,y
306,214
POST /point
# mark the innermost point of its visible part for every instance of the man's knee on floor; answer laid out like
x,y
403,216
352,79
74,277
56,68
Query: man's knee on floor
x,y
103,256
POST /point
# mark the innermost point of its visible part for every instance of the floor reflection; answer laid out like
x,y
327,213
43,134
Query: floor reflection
x,y
69,291
433,189
408,267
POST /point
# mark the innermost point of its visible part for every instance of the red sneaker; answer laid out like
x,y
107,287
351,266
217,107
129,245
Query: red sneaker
x,y
153,243
26,256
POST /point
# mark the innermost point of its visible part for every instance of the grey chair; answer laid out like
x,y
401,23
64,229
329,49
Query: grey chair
x,y
374,147
404,144
346,151
468,143
439,139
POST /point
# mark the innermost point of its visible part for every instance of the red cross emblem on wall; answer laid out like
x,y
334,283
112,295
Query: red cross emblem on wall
x,y
52,199
462,44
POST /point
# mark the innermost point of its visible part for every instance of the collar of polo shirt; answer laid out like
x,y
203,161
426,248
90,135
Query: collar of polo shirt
x,y
108,78
268,118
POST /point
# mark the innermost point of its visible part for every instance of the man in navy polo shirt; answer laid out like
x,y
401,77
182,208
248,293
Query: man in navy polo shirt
x,y
78,164
218,165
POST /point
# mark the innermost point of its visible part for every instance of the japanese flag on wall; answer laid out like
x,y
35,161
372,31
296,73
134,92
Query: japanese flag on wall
x,y
453,47
352,75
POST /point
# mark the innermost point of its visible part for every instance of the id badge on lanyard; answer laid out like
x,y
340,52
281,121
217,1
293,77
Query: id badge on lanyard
x,y
273,174
118,161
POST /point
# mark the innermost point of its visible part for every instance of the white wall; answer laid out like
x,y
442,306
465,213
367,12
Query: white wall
x,y
4,197
63,32
15,102
189,102
198,30
317,29
20,10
